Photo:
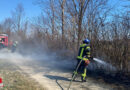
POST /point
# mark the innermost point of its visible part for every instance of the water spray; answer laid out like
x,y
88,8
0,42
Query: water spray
x,y
105,64
99,61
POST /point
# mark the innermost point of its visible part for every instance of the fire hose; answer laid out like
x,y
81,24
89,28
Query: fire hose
x,y
74,74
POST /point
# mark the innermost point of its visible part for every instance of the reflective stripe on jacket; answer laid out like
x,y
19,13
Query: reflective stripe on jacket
x,y
84,50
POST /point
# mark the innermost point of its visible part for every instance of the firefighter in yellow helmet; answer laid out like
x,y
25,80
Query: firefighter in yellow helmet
x,y
84,55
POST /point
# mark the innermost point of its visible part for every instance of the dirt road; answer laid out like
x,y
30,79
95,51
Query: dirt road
x,y
53,74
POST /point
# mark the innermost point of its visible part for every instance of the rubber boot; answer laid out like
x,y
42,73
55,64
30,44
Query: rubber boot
x,y
83,76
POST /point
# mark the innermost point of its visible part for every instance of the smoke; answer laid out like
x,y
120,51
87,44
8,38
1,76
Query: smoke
x,y
105,64
50,60
8,56
33,52
99,64
36,56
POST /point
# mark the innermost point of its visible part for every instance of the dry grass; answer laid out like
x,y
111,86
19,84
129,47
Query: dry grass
x,y
15,80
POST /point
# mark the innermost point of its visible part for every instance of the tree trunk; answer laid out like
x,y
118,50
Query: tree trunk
x,y
79,29
63,23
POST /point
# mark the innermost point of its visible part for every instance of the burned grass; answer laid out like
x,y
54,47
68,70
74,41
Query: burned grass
x,y
118,81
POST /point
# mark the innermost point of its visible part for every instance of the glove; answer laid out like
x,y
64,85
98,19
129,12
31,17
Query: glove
x,y
87,62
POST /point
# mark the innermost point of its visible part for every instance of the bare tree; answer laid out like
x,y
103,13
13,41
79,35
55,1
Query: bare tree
x,y
20,23
18,15
53,17
62,4
7,26
78,8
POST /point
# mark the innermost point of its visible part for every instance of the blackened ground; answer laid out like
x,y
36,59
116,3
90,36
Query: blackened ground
x,y
117,78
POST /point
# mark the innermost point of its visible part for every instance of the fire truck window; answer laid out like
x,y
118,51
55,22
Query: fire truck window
x,y
3,39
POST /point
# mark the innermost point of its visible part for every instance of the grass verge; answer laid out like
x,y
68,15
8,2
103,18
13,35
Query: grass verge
x,y
13,79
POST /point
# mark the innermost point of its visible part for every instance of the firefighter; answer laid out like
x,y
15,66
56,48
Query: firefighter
x,y
1,44
14,46
84,55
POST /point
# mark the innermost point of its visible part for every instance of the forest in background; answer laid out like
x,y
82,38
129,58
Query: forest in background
x,y
63,24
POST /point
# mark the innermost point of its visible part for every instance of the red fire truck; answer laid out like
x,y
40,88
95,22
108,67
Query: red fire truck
x,y
4,42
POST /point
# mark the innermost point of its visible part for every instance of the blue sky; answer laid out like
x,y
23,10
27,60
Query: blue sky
x,y
32,10
6,6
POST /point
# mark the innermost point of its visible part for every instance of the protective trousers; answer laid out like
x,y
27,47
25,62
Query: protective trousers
x,y
82,68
